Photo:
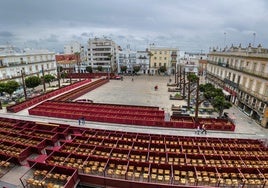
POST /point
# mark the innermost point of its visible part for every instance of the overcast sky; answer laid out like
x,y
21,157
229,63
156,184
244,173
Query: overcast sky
x,y
190,25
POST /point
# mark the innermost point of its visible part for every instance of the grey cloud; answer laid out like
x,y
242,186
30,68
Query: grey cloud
x,y
6,34
190,24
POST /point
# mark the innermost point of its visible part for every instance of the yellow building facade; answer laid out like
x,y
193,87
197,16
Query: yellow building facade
x,y
163,57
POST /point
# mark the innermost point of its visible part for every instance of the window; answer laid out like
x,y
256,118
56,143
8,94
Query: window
x,y
165,58
233,77
160,64
244,81
254,66
154,64
164,64
266,91
262,68
155,58
250,83
238,79
258,86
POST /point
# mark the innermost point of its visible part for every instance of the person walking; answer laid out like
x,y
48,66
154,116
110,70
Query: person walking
x,y
204,129
83,120
197,129
79,121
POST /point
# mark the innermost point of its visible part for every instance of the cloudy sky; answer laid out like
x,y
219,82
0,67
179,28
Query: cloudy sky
x,y
190,25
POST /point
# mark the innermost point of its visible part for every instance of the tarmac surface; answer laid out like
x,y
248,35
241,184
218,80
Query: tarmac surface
x,y
140,91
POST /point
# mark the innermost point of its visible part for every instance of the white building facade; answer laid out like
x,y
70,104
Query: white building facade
x,y
14,62
127,58
102,52
142,60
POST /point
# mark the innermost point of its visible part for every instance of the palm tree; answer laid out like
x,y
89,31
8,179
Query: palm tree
x,y
77,55
150,54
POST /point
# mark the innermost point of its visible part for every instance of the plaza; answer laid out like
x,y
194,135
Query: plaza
x,y
139,91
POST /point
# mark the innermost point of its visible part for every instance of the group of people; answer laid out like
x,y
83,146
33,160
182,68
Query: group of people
x,y
201,130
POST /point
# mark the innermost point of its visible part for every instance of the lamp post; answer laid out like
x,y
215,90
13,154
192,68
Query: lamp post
x,y
23,83
58,75
43,78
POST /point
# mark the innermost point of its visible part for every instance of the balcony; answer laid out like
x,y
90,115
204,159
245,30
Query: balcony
x,y
241,69
230,83
253,93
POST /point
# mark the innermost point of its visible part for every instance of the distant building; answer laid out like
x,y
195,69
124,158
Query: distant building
x,y
243,74
103,52
127,58
143,60
14,62
68,62
161,56
76,48
193,62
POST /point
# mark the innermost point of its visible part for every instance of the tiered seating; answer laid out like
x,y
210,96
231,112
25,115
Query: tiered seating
x,y
88,75
211,123
71,95
107,158
44,175
32,101
126,114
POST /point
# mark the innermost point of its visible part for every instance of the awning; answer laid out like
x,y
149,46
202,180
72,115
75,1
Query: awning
x,y
226,93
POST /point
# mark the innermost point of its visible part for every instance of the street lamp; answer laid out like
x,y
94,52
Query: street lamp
x,y
58,75
23,83
43,78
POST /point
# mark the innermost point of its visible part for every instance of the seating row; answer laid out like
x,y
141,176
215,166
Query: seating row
x,y
161,173
32,101
103,112
73,94
87,75
105,106
49,176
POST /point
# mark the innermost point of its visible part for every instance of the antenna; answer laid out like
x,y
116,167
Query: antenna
x,y
224,39
254,36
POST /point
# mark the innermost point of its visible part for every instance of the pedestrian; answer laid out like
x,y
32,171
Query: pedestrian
x,y
132,79
204,129
79,121
197,129
83,120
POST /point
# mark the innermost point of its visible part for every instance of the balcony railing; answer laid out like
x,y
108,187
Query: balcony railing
x,y
253,93
241,69
231,83
251,104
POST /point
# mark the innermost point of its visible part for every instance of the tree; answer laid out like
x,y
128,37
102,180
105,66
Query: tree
x,y
49,78
110,58
99,68
77,56
32,81
11,86
136,69
192,77
162,69
63,75
89,69
2,87
216,98
219,104
123,68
